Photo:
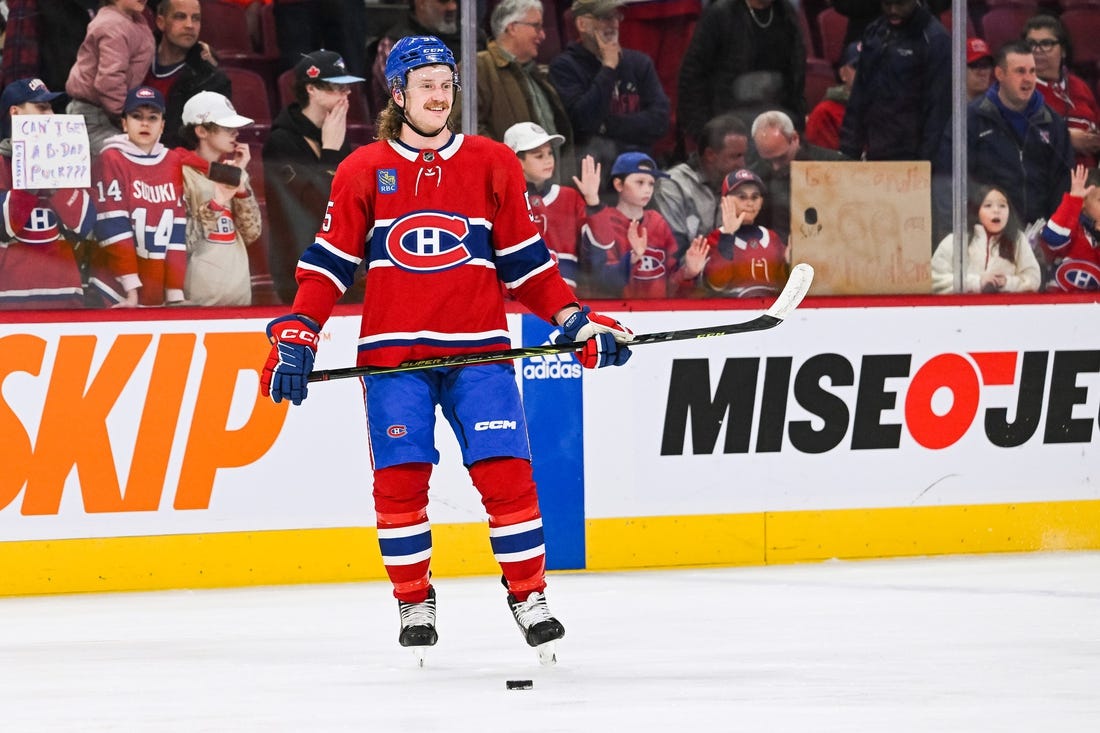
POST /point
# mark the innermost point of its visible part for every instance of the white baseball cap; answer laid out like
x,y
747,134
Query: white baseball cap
x,y
207,108
524,136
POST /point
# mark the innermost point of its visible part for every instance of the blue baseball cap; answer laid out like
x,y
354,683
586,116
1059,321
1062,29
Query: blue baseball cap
x,y
326,66
143,97
20,92
851,54
740,177
628,163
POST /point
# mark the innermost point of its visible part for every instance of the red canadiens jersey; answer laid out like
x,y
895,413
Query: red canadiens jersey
x,y
141,221
438,231
605,243
1072,247
559,215
747,264
38,266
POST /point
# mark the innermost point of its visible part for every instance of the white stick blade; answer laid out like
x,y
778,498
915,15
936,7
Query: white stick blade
x,y
798,284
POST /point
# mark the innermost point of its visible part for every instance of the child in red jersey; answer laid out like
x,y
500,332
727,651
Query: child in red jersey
x,y
141,220
630,250
739,259
1071,238
559,212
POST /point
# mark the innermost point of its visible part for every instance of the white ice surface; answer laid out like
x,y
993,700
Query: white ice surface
x,y
975,644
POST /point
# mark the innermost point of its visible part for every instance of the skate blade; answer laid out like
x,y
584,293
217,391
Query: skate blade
x,y
419,653
548,654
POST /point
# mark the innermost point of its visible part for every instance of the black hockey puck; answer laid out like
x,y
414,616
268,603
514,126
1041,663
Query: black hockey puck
x,y
519,684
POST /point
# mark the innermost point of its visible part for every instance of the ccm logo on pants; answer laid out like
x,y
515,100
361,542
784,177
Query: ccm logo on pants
x,y
495,425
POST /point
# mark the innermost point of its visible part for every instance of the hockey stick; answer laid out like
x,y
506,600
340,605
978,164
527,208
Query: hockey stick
x,y
797,286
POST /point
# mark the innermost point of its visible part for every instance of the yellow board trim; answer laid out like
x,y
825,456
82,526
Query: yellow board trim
x,y
351,554
225,559
801,536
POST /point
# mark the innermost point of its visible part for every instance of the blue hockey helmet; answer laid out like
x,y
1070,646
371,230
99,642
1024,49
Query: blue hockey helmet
x,y
412,52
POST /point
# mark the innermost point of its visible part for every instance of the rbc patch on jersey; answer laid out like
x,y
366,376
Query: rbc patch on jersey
x,y
387,180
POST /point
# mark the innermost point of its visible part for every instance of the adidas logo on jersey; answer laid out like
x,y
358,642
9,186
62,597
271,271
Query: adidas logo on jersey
x,y
552,366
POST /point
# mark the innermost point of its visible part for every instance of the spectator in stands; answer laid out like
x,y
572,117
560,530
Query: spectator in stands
x,y
739,259
38,266
222,218
308,140
613,96
113,59
860,13
1063,91
1015,141
998,256
512,88
558,211
337,25
437,18
688,197
823,124
979,68
741,47
42,38
628,248
141,220
1071,239
901,99
183,65
777,143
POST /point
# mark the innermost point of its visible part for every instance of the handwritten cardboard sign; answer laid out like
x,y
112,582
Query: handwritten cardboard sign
x,y
866,227
50,151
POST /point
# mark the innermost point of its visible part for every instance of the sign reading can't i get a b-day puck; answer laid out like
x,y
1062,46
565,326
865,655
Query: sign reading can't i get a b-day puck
x,y
50,151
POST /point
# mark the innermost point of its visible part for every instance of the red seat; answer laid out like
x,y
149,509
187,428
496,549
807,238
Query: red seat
x,y
251,100
819,77
831,26
1083,27
948,22
809,40
232,30
1003,24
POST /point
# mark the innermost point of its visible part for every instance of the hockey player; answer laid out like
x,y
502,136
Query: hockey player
x,y
141,221
439,220
38,266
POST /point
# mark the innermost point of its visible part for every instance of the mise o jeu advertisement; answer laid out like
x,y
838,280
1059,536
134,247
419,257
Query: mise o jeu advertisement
x,y
153,428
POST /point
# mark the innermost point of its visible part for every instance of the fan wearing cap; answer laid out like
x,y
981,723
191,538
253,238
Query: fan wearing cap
x,y
223,218
823,124
979,68
558,211
141,219
739,259
630,250
308,140
440,222
37,261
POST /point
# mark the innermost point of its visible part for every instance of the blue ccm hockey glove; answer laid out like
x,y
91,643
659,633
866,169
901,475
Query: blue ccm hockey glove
x,y
604,338
293,348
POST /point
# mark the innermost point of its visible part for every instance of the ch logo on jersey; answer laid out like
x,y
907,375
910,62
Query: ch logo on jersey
x,y
387,180
397,431
1077,275
427,241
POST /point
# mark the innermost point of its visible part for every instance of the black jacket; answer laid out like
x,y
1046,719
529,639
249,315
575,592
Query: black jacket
x,y
196,76
297,182
1034,172
728,44
900,104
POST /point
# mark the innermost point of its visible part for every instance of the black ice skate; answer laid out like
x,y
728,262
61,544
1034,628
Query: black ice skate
x,y
418,625
539,628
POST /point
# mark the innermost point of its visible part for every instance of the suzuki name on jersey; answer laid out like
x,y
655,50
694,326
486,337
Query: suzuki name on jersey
x,y
161,193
